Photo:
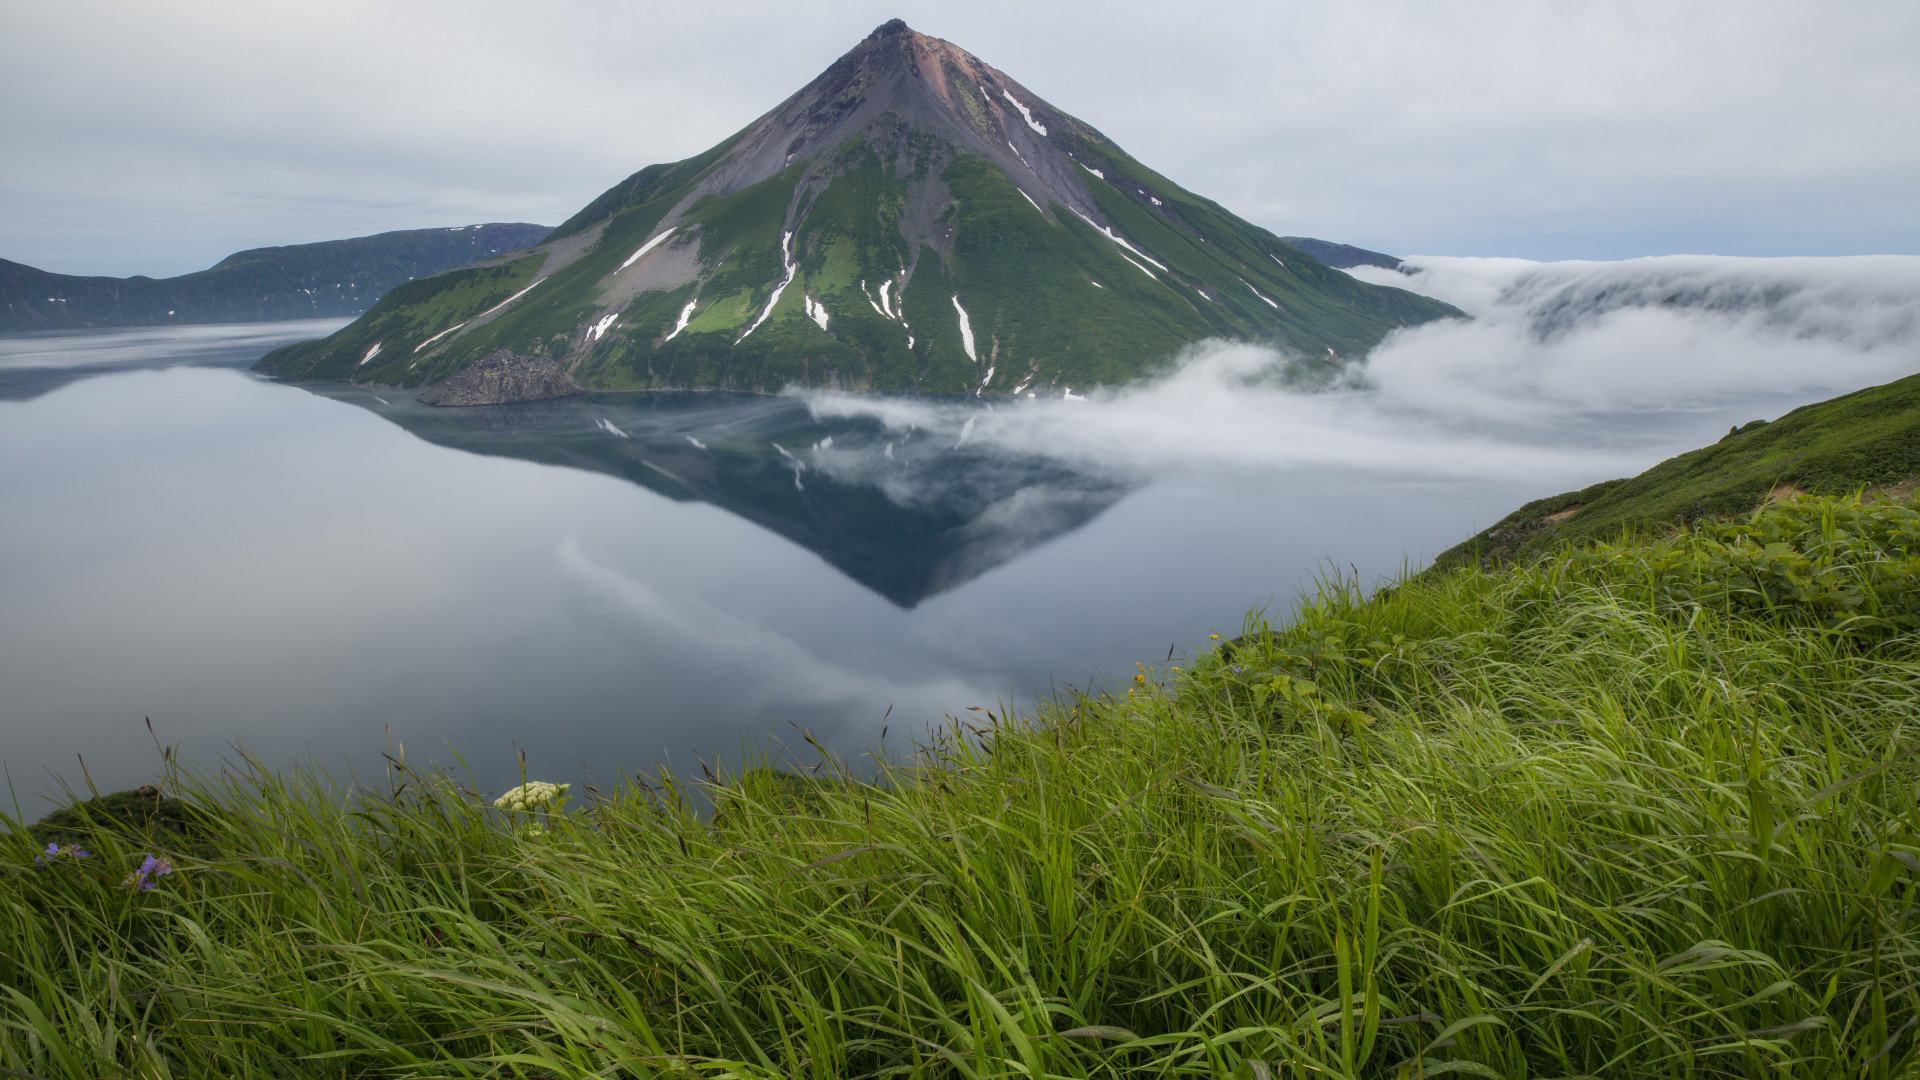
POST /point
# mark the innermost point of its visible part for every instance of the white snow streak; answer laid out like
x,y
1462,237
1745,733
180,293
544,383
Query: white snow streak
x,y
786,258
1091,169
507,301
816,311
1095,284
371,353
983,382
686,316
644,248
1276,258
1024,112
598,329
1138,267
430,340
1122,241
1260,294
886,306
966,330
1029,198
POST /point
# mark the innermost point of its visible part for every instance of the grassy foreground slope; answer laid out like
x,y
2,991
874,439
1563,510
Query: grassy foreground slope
x,y
1643,811
1867,439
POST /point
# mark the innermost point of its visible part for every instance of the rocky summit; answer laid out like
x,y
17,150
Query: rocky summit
x,y
912,220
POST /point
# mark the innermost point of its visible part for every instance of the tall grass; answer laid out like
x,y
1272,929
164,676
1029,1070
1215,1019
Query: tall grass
x,y
1572,820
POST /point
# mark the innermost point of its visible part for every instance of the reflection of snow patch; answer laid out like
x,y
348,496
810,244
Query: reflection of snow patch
x,y
1025,113
889,449
371,353
600,328
686,316
966,432
1067,394
644,248
697,444
786,258
966,331
430,340
606,425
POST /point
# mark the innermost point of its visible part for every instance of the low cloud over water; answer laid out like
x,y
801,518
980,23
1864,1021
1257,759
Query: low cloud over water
x,y
1563,372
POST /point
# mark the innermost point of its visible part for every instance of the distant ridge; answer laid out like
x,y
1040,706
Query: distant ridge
x,y
912,220
1342,256
303,281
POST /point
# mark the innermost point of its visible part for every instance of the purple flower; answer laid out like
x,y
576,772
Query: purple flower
x,y
54,851
150,868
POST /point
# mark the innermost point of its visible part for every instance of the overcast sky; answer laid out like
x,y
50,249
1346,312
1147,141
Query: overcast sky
x,y
156,138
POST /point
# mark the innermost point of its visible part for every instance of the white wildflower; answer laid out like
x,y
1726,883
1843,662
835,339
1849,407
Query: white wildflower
x,y
538,795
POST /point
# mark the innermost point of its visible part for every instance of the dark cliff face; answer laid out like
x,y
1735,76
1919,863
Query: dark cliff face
x,y
331,279
502,378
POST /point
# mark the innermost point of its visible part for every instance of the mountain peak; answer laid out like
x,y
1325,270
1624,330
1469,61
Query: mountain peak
x,y
912,219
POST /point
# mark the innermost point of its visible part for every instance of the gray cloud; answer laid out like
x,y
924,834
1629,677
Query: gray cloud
x,y
156,139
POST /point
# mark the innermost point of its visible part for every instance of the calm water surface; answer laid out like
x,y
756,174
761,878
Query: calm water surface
x,y
607,583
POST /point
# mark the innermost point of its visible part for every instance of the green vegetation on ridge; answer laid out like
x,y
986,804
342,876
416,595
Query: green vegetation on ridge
x,y
1644,811
1867,439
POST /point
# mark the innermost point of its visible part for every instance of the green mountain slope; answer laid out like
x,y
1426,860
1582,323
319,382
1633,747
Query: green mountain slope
x,y
302,281
1866,439
912,220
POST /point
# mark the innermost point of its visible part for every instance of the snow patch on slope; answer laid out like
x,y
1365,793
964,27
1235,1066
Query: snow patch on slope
x,y
1122,241
1025,113
966,331
686,316
507,301
375,351
430,340
786,258
646,247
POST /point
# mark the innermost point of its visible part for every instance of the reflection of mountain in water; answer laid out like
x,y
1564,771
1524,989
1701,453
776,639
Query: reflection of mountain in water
x,y
908,517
